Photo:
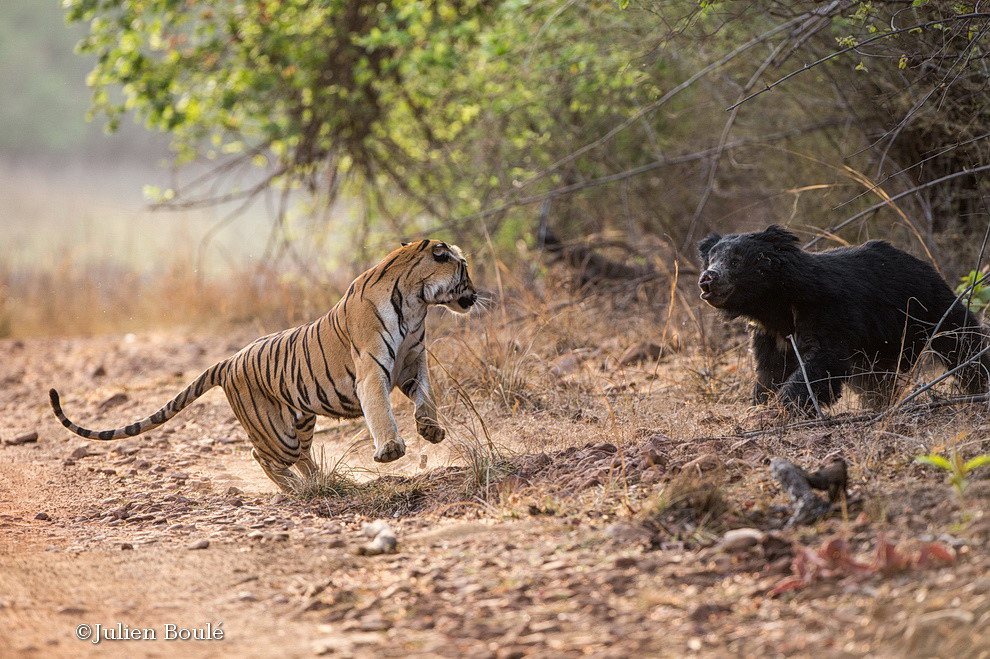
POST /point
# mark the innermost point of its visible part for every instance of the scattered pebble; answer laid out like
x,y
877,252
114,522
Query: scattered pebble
x,y
43,516
72,611
199,544
81,452
384,541
117,399
27,438
739,540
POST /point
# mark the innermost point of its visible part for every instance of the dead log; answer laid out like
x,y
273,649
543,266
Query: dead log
x,y
798,484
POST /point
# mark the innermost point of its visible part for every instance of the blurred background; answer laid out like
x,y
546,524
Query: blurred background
x,y
81,245
187,164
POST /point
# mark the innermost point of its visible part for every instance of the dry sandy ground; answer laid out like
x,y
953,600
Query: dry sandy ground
x,y
549,563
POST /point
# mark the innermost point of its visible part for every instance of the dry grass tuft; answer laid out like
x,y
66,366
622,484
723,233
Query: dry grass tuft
x,y
690,505
332,479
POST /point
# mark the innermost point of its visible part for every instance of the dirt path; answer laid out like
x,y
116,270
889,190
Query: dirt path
x,y
101,534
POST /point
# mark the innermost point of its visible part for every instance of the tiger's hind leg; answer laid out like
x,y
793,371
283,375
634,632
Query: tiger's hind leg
x,y
282,476
305,425
271,427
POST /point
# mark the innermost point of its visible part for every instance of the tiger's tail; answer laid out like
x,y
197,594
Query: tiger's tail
x,y
210,378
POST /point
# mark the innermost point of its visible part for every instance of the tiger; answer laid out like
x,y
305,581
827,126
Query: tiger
x,y
342,365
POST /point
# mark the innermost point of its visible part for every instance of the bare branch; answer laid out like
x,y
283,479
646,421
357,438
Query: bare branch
x,y
891,200
666,97
636,171
884,35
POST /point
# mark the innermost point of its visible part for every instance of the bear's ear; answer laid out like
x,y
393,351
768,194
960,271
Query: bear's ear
x,y
705,245
780,236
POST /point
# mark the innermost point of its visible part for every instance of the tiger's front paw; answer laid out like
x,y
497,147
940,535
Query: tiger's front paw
x,y
390,450
430,431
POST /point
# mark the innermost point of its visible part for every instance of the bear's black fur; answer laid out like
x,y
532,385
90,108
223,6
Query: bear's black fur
x,y
859,315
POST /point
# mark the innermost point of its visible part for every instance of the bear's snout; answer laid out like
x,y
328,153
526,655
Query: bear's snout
x,y
707,279
715,287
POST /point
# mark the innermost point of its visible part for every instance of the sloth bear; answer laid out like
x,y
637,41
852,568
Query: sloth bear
x,y
859,315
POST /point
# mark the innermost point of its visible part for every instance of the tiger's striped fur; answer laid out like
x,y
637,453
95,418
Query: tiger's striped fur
x,y
342,365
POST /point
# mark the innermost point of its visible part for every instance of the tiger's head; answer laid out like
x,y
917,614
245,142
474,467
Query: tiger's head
x,y
441,273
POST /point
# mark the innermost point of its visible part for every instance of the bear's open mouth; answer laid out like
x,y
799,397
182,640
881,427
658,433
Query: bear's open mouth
x,y
714,295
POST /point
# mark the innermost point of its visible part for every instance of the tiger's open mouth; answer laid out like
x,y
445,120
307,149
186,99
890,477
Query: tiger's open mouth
x,y
463,303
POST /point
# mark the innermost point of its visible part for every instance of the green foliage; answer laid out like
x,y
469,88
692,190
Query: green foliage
x,y
974,290
445,100
957,469
302,79
443,108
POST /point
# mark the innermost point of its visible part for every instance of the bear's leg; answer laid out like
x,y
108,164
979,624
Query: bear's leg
x,y
825,372
876,388
774,364
960,340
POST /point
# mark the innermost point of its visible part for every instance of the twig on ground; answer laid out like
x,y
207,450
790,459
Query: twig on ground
x,y
865,419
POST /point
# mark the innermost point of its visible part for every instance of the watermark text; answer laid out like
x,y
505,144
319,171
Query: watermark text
x,y
98,633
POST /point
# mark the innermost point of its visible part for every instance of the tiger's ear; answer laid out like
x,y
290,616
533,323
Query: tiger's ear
x,y
406,244
442,253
